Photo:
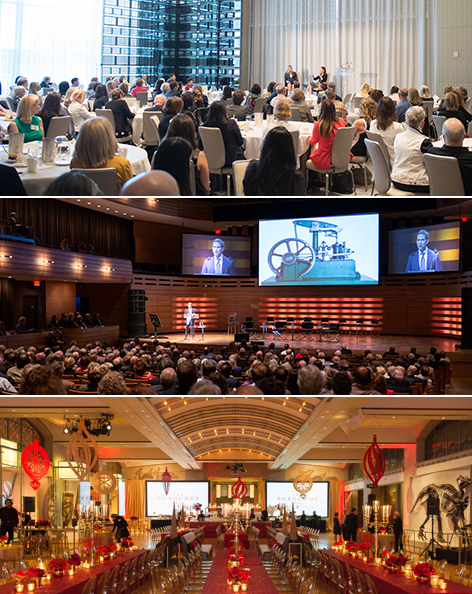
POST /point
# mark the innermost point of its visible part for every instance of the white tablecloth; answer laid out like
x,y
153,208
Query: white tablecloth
x,y
36,183
253,138
467,142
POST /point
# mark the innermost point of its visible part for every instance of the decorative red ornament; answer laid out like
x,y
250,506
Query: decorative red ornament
x,y
373,463
239,489
166,480
35,462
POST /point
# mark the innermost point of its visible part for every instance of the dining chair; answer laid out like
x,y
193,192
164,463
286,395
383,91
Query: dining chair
x,y
150,131
239,171
375,136
89,585
361,585
444,174
59,126
102,583
142,98
458,574
371,587
438,121
259,105
106,179
382,181
108,114
340,157
215,152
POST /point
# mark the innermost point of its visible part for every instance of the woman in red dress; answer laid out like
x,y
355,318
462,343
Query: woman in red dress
x,y
322,137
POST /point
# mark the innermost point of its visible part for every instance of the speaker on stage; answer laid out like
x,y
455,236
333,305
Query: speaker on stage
x,y
137,312
466,341
28,504
239,336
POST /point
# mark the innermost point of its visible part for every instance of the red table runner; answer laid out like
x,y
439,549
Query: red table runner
x,y
243,539
251,558
216,582
391,583
73,584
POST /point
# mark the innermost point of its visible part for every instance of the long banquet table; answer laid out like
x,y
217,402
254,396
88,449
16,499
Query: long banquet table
x,y
260,582
74,584
388,583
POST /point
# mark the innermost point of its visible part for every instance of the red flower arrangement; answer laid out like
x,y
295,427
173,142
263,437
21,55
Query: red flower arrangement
x,y
382,531
394,560
42,524
236,575
98,527
106,519
4,538
58,565
127,542
19,575
423,569
197,506
134,518
74,560
36,574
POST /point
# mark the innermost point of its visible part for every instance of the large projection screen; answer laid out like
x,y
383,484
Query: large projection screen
x,y
180,492
317,500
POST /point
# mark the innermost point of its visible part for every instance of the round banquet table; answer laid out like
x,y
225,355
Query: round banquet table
x,y
243,539
36,183
389,583
260,582
253,137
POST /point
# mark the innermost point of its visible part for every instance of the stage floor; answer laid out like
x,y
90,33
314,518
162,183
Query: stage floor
x,y
356,343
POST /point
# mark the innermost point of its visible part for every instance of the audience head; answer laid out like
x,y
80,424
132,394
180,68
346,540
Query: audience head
x,y
186,374
256,89
217,116
448,89
112,383
386,113
310,380
28,107
74,82
362,375
271,86
78,95
51,105
414,97
459,96
278,148
188,98
117,94
227,93
160,100
282,110
182,125
110,86
368,109
123,87
73,183
281,90
402,93
298,95
206,387
394,90
425,92
330,94
96,143
174,105
341,383
238,97
415,117
173,85
454,132
63,87
22,81
173,156
40,380
151,183
327,117
34,88
376,94
101,91
364,90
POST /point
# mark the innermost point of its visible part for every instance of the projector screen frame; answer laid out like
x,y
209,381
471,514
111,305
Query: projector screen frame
x,y
289,503
170,493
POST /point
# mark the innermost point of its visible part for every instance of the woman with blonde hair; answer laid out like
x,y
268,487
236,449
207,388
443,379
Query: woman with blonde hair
x,y
34,89
27,121
77,109
364,90
290,78
68,99
96,148
367,112
452,108
425,93
414,97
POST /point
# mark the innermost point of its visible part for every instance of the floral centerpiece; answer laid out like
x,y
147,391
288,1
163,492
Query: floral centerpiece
x,y
87,545
126,542
42,524
3,540
74,561
232,560
107,550
106,519
35,575
134,518
238,576
58,566
18,576
423,571
394,563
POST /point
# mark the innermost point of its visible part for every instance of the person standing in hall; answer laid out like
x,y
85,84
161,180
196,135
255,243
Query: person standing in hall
x,y
352,522
343,525
398,530
336,527
8,519
121,527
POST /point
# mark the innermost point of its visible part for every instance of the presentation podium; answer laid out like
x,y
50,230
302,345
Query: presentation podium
x,y
345,81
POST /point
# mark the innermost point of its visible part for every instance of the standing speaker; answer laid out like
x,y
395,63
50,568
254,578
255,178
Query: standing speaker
x,y
466,341
136,312
29,504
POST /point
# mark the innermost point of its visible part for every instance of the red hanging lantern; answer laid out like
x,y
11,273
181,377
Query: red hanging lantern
x,y
166,480
373,463
35,462
239,489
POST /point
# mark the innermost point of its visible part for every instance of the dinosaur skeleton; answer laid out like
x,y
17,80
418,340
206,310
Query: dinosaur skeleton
x,y
454,502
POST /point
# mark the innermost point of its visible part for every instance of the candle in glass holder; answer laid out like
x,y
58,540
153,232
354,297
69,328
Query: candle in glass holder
x,y
71,571
364,559
442,584
19,587
378,560
244,587
434,580
48,577
408,572
101,559
235,587
30,587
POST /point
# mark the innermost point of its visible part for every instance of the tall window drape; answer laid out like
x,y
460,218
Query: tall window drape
x,y
50,38
336,498
388,42
135,499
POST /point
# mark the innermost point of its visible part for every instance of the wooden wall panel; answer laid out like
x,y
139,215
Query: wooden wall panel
x,y
111,302
60,297
156,243
405,305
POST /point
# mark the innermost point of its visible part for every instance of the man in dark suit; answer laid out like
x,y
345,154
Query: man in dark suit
x,y
189,315
397,530
352,522
403,106
424,260
453,132
218,263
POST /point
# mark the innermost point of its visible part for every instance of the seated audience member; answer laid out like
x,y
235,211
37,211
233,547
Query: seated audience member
x,y
121,114
68,98
10,182
112,383
442,103
462,97
403,104
151,183
173,107
454,134
159,102
408,171
63,88
41,380
27,121
332,87
361,385
46,82
227,95
253,96
376,95
34,89
173,156
414,97
236,109
173,89
233,141
338,105
364,90
168,385
298,97
425,94
275,173
322,92
270,91
96,148
183,126
51,109
283,114
452,108
78,110
101,97
124,87
200,100
94,375
188,98
394,95
324,131
386,124
397,384
310,380
367,111
16,96
138,88
189,85
281,96
73,183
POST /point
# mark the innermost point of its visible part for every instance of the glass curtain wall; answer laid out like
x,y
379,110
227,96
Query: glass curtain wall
x,y
190,38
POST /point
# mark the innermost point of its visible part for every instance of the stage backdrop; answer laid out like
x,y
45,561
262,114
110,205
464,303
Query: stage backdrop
x,y
392,39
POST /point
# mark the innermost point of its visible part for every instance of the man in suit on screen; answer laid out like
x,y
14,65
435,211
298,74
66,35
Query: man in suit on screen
x,y
218,263
424,260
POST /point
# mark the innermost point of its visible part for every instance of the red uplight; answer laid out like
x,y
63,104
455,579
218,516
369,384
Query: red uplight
x,y
464,219
218,232
37,283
